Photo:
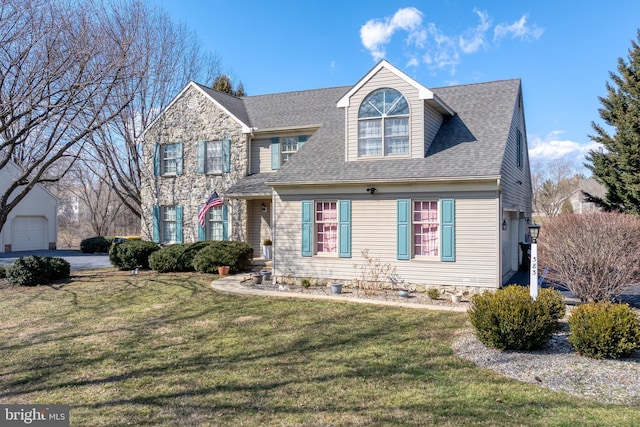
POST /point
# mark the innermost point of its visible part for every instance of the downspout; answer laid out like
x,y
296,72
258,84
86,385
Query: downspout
x,y
273,237
499,236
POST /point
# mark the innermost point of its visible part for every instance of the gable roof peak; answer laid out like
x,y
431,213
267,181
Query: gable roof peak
x,y
423,92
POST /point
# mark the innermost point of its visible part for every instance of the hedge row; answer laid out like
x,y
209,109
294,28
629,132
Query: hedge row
x,y
205,257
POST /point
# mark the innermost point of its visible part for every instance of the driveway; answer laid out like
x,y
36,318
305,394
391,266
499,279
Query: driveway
x,y
77,259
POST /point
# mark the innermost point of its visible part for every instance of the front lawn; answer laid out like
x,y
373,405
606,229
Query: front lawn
x,y
167,350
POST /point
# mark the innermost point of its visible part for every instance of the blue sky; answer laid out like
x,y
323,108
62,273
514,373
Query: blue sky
x,y
562,50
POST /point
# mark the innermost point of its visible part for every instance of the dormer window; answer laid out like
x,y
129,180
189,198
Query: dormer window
x,y
383,124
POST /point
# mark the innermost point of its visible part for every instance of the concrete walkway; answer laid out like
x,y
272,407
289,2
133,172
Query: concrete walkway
x,y
237,284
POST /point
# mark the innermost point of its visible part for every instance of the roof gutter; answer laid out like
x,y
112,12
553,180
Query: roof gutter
x,y
495,178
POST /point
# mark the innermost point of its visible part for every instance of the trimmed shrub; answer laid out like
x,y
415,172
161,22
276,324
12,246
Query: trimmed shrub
x,y
509,319
3,272
29,271
36,270
604,329
132,254
60,268
237,255
98,244
176,258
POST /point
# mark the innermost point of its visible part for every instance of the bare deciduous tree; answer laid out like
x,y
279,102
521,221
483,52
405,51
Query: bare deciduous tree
x,y
593,255
170,56
62,65
553,183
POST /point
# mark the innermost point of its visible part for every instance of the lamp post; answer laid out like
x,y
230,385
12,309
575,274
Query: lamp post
x,y
534,230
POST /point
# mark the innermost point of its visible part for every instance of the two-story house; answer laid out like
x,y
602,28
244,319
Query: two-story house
x,y
434,182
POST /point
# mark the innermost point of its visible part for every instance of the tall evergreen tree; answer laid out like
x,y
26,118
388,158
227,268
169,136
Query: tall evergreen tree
x,y
617,164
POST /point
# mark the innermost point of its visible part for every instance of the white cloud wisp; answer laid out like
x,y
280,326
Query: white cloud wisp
x,y
428,44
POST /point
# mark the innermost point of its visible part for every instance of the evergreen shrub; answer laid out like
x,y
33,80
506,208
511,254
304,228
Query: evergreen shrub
x,y
509,319
60,268
97,244
3,272
176,258
604,330
37,270
132,254
237,255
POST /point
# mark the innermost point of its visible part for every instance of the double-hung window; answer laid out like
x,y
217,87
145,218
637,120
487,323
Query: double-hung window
x,y
326,227
289,147
212,157
169,224
383,124
169,157
215,227
425,228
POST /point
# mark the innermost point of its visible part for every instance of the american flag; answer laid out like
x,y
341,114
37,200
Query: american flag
x,y
214,200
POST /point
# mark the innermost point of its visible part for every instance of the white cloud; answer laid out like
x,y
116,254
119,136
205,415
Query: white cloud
x,y
430,45
518,29
473,39
552,147
376,33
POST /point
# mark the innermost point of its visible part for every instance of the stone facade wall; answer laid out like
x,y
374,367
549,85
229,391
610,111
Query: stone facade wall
x,y
193,117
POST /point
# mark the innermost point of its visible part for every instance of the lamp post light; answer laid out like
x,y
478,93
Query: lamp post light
x,y
534,230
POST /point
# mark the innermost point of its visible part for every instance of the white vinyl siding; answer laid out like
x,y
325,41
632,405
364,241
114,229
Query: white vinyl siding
x,y
516,181
373,227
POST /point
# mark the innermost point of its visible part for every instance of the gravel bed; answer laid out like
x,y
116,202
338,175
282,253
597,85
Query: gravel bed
x,y
557,367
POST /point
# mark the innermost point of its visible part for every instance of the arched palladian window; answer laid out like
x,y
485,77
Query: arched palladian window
x,y
383,124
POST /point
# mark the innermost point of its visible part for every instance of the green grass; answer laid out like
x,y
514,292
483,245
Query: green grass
x,y
167,350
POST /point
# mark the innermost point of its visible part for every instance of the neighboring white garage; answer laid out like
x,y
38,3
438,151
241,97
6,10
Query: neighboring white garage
x,y
32,224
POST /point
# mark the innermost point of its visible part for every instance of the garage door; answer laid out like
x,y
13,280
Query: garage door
x,y
29,233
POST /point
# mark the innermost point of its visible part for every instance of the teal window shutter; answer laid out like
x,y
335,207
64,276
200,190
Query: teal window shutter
x,y
307,228
225,222
301,140
448,230
179,160
179,227
202,232
275,153
155,226
226,155
156,160
404,229
344,233
200,153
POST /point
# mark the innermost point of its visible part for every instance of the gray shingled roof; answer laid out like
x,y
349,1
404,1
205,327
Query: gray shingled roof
x,y
470,144
233,104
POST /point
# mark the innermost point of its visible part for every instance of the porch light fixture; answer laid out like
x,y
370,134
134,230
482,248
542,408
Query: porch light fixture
x,y
371,190
534,231
263,207
504,224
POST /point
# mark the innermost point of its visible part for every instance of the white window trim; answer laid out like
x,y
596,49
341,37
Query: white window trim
x,y
208,163
316,231
413,235
165,160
